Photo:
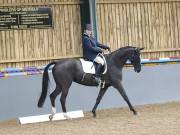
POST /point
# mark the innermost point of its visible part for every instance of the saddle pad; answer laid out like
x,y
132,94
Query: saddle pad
x,y
88,66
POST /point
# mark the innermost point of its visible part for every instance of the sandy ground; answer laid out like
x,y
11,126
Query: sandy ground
x,y
159,119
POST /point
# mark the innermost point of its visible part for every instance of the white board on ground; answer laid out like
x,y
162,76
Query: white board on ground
x,y
44,118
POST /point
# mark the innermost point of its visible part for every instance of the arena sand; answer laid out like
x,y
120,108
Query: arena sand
x,y
156,119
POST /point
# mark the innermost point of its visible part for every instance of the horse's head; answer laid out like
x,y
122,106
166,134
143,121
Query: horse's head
x,y
130,53
134,58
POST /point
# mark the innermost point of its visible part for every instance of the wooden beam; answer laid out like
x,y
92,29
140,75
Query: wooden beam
x,y
161,50
38,59
41,4
132,1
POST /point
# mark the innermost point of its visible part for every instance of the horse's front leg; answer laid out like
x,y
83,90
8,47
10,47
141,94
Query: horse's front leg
x,y
121,90
100,95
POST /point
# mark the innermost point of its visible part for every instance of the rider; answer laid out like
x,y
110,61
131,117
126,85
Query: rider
x,y
91,49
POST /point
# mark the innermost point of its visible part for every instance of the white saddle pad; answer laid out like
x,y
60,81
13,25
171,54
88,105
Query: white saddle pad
x,y
88,66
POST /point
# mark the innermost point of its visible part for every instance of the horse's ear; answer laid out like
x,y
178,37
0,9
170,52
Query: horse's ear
x,y
141,48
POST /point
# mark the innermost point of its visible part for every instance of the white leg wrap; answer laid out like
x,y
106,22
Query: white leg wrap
x,y
53,110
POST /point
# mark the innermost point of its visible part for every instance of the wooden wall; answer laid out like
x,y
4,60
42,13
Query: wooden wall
x,y
152,24
35,47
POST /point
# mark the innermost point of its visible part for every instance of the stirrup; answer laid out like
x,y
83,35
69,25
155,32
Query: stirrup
x,y
98,79
101,84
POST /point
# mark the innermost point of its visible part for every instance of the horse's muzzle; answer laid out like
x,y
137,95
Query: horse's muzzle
x,y
137,69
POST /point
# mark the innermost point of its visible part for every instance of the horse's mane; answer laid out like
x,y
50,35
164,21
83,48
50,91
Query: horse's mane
x,y
122,50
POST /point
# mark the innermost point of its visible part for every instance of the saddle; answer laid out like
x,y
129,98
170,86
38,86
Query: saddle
x,y
90,67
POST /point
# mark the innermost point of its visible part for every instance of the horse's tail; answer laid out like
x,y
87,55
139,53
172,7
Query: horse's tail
x,y
44,85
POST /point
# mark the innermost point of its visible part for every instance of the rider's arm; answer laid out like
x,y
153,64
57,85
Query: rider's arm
x,y
102,46
87,44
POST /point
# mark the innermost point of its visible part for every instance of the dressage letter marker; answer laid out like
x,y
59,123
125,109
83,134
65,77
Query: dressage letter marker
x,y
44,118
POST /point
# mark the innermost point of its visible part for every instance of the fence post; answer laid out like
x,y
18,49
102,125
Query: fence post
x,y
85,13
92,7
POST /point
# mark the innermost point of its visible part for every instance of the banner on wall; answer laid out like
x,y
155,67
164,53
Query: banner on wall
x,y
25,17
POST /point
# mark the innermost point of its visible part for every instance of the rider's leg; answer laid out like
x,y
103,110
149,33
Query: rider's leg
x,y
100,63
98,71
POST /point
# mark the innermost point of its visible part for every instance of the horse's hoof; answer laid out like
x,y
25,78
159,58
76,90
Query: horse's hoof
x,y
135,113
51,117
94,114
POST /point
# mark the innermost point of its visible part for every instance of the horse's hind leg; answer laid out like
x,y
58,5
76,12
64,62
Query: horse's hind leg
x,y
63,99
64,94
53,96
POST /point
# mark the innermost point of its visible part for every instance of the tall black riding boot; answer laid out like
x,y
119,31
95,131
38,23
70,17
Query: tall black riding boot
x,y
98,74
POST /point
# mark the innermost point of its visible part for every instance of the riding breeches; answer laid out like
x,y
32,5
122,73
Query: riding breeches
x,y
99,60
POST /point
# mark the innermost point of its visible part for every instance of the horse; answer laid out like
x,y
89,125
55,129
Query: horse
x,y
70,70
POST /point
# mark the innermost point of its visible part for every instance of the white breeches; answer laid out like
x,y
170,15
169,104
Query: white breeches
x,y
99,60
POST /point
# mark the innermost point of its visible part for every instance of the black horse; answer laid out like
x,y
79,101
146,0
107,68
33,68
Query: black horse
x,y
67,71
